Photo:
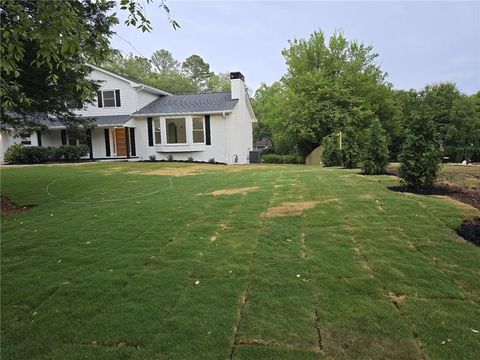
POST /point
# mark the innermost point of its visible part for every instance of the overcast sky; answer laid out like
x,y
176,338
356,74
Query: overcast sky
x,y
418,42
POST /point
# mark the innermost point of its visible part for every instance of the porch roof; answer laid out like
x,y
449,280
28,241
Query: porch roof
x,y
108,120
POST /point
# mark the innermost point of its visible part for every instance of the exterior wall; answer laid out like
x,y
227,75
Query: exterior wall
x,y
239,133
9,139
131,99
218,149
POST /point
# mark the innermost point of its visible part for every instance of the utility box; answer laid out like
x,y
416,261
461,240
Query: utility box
x,y
255,157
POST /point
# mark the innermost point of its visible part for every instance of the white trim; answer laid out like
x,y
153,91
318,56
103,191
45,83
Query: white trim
x,y
131,82
184,114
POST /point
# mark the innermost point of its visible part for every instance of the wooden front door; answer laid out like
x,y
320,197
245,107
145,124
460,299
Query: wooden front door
x,y
121,141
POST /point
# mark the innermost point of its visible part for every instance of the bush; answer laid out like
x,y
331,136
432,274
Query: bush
x,y
15,154
420,156
331,155
350,153
375,154
21,154
211,161
152,158
190,159
281,159
170,157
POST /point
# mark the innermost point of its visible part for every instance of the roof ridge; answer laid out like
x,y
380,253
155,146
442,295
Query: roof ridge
x,y
204,93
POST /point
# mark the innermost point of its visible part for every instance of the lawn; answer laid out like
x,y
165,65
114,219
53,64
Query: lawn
x,y
126,261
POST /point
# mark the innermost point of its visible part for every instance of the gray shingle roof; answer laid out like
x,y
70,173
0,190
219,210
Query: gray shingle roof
x,y
108,120
190,103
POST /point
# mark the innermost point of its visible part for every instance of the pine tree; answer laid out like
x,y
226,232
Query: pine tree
x,y
420,156
375,154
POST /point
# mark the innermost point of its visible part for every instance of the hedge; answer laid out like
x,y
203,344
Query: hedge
x,y
281,159
21,154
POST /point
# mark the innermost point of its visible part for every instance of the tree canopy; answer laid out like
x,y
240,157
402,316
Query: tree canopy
x,y
45,48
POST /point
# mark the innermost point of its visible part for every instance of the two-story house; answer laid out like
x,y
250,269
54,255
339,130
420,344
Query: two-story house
x,y
136,121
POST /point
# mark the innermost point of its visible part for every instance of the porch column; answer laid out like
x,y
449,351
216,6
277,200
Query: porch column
x,y
89,142
127,140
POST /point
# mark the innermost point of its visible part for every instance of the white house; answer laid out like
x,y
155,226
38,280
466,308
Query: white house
x,y
136,121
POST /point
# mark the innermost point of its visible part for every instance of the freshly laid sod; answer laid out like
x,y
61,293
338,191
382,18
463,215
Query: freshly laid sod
x,y
123,261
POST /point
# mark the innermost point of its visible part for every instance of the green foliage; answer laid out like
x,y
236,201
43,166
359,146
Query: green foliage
x,y
45,47
281,159
459,154
170,157
420,156
197,70
21,154
351,152
211,161
331,155
152,158
375,152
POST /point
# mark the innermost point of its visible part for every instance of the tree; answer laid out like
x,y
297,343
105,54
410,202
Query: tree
x,y
197,70
332,86
351,152
164,62
219,82
420,156
375,153
331,154
133,66
45,48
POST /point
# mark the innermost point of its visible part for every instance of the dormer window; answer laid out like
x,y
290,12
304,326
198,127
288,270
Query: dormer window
x,y
108,98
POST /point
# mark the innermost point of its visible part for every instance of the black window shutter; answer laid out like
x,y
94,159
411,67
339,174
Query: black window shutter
x,y
132,142
208,139
99,99
150,131
39,138
107,142
63,133
117,98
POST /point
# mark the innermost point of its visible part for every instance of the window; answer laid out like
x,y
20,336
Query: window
x,y
176,132
198,130
108,98
157,132
25,139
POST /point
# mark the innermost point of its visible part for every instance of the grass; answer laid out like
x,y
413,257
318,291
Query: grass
x,y
182,274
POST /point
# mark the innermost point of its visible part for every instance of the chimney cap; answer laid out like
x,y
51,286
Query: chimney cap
x,y
237,75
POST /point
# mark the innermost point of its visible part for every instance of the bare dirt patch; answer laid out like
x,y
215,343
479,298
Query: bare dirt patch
x,y
294,208
8,208
397,299
233,191
201,169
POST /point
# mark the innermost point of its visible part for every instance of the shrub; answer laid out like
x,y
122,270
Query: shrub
x,y
375,153
350,153
458,154
190,159
152,158
331,155
15,154
72,152
170,157
21,154
281,159
211,161
420,156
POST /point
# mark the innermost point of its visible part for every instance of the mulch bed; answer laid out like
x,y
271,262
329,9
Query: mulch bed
x,y
470,230
467,196
8,208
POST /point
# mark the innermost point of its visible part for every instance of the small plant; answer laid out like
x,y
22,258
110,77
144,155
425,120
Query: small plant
x,y
190,159
375,154
152,158
331,155
235,159
420,156
15,154
211,161
170,157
